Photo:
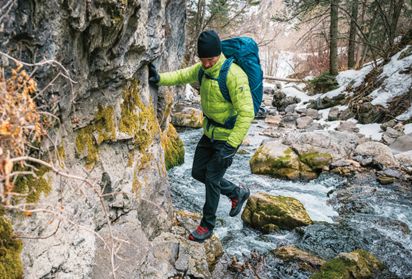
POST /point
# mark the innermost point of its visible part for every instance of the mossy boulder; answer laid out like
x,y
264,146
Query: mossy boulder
x,y
358,264
173,147
277,159
269,213
11,266
317,161
188,117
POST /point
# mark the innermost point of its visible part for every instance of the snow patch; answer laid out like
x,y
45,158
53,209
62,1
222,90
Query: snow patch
x,y
372,131
406,115
408,128
395,83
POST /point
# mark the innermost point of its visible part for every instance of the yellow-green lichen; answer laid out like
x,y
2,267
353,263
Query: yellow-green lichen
x,y
61,155
105,124
33,185
86,146
130,158
173,147
137,173
138,120
105,129
11,266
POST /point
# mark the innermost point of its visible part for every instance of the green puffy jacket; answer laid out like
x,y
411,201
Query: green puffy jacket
x,y
214,105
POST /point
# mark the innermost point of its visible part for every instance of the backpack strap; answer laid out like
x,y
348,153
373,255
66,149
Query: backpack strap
x,y
223,76
200,75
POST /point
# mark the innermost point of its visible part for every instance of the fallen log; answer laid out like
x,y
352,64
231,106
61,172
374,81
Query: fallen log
x,y
285,79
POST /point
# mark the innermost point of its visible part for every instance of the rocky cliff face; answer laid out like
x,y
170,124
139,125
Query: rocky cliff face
x,y
109,132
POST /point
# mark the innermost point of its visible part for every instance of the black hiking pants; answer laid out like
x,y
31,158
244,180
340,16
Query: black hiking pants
x,y
208,169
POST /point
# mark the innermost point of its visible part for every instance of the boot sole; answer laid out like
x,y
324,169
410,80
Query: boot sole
x,y
199,240
242,201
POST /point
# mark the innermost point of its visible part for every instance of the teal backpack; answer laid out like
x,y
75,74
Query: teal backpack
x,y
244,52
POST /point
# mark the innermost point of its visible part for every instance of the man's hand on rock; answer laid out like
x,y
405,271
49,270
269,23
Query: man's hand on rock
x,y
154,77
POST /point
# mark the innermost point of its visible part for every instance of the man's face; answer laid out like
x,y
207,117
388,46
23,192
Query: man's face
x,y
209,62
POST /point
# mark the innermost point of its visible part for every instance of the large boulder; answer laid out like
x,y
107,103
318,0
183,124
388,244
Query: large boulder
x,y
405,160
173,256
188,117
373,153
338,144
277,159
357,264
402,144
269,213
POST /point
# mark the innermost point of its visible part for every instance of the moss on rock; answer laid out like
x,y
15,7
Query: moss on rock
x,y
86,145
137,119
173,147
11,266
33,185
316,160
105,124
267,213
358,264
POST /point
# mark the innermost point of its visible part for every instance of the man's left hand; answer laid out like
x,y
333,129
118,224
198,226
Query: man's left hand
x,y
226,155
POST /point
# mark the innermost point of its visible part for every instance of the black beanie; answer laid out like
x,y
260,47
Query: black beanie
x,y
208,44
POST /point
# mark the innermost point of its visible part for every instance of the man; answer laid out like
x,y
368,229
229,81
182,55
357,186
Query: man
x,y
219,143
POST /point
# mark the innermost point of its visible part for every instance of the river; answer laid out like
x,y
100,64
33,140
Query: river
x,y
346,217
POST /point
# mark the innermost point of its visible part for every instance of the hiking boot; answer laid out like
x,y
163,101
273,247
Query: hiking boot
x,y
238,202
200,234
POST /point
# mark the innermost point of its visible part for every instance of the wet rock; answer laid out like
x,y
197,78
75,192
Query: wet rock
x,y
374,154
275,159
385,180
390,135
314,126
338,144
345,167
326,102
390,123
313,113
405,161
290,108
306,260
358,264
289,121
188,117
333,114
402,144
347,126
304,122
273,119
281,101
346,114
268,213
368,113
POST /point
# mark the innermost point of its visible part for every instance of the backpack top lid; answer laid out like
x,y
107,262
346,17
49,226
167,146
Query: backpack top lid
x,y
240,47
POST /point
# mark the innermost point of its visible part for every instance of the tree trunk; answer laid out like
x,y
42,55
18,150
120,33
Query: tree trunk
x,y
397,9
333,44
352,34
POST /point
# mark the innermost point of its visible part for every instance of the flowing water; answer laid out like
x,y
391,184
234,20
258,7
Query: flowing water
x,y
347,217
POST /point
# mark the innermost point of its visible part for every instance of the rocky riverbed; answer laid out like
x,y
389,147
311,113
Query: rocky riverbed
x,y
355,189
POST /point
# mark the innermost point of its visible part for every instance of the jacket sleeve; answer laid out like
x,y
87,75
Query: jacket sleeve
x,y
183,76
242,101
